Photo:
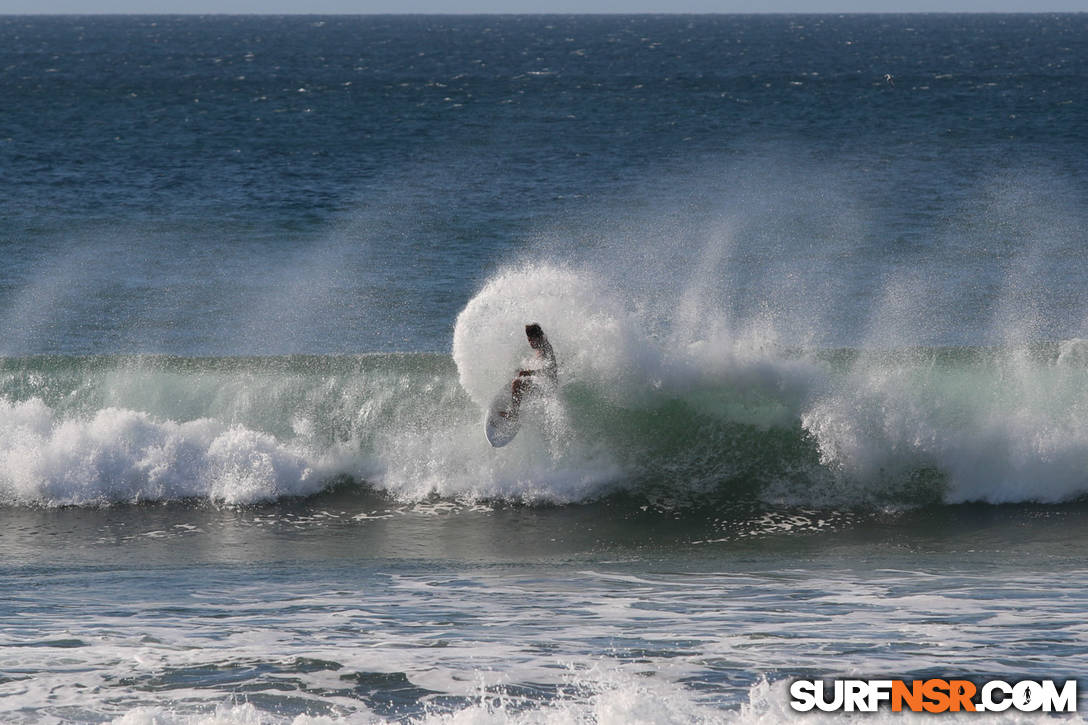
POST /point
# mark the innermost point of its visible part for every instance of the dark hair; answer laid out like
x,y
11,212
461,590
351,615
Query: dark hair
x,y
533,331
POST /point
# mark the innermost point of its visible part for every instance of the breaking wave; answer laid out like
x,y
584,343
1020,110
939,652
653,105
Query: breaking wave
x,y
677,414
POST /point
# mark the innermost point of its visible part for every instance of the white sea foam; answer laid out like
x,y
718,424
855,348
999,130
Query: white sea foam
x,y
612,644
1007,429
596,700
126,455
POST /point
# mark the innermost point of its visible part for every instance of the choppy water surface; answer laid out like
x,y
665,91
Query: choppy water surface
x,y
607,612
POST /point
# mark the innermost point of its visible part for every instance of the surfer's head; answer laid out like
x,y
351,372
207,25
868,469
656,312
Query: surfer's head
x,y
535,334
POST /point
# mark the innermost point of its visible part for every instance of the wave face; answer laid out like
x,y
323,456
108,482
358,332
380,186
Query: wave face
x,y
677,415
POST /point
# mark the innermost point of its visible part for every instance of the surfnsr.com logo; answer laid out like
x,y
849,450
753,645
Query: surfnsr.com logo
x,y
933,695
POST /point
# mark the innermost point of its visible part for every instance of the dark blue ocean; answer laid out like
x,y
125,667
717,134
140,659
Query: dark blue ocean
x,y
818,291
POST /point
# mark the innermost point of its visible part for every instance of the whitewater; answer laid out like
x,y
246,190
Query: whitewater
x,y
642,409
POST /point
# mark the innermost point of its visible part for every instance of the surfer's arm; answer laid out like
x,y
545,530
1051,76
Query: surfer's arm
x,y
551,368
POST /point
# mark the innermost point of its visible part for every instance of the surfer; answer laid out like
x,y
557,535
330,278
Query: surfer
x,y
537,380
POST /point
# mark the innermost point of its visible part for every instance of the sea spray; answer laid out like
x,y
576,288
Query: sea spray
x,y
593,335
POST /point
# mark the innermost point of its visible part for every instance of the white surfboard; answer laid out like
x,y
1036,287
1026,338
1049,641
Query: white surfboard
x,y
499,428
